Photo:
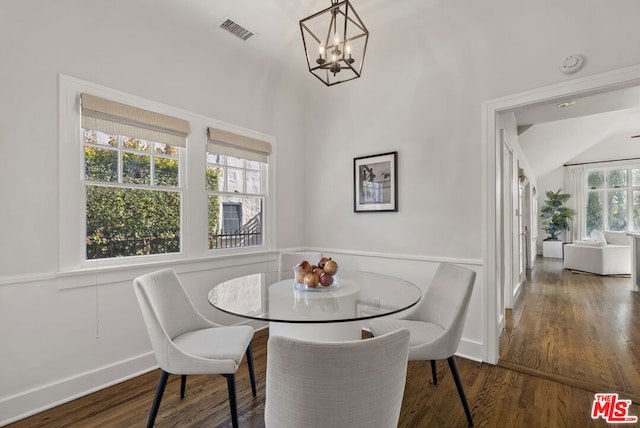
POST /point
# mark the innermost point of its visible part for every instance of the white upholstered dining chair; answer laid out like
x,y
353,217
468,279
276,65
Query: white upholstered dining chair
x,y
186,343
355,384
436,325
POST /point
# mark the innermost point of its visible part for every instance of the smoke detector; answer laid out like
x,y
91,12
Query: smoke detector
x,y
572,64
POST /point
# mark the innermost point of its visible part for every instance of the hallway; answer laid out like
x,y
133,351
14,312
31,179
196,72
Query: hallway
x,y
578,329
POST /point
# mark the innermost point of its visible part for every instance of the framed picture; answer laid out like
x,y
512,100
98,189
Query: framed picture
x,y
375,183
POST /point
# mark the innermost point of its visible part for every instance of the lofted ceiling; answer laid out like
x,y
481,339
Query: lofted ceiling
x,y
275,23
554,136
596,127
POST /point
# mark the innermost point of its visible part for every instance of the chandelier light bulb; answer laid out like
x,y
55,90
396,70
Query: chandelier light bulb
x,y
349,59
336,45
321,52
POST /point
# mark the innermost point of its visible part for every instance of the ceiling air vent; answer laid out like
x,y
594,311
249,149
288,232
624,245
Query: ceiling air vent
x,y
236,29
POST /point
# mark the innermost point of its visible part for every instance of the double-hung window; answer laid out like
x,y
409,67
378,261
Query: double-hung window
x,y
236,175
143,182
132,179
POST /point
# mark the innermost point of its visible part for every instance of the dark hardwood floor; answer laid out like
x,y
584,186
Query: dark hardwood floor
x,y
579,329
569,337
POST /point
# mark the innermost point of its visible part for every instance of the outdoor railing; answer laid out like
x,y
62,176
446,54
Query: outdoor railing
x,y
236,239
247,235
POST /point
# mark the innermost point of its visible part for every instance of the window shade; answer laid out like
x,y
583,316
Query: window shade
x,y
121,119
230,144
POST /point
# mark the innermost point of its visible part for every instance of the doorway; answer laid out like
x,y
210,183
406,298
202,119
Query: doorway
x,y
508,249
494,237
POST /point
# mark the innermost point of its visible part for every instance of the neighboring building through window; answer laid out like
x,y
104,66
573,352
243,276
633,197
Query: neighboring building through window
x,y
235,201
231,217
236,171
613,199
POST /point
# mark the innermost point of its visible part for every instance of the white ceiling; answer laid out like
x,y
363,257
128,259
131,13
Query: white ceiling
x,y
275,23
558,136
597,127
595,103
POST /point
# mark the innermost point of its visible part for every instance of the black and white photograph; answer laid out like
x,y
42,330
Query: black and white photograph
x,y
375,183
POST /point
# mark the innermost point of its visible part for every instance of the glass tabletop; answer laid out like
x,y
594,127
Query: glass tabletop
x,y
275,296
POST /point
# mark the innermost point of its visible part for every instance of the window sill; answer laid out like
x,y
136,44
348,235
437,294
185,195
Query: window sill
x,y
110,274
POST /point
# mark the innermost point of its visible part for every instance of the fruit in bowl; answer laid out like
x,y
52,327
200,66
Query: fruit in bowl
x,y
311,280
320,275
330,267
326,279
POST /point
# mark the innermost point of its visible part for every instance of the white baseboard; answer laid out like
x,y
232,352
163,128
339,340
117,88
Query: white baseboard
x,y
27,403
470,350
516,293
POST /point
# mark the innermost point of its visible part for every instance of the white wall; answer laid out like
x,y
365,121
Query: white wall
x,y
59,341
42,39
507,122
611,148
420,94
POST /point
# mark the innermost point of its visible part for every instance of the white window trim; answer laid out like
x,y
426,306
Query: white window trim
x,y
194,206
629,188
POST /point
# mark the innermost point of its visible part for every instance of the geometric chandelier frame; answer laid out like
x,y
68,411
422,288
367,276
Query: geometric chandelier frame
x,y
335,43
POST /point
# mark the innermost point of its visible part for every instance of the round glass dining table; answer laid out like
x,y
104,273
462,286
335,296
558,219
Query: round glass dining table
x,y
338,312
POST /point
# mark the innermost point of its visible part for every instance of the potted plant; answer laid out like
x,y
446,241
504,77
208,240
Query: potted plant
x,y
556,220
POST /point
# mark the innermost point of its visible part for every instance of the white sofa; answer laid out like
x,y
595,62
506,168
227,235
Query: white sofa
x,y
604,253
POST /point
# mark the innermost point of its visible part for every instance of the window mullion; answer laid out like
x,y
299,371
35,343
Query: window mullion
x,y
629,206
152,169
120,159
605,207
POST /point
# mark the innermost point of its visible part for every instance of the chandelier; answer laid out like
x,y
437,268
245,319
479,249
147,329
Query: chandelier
x,y
335,41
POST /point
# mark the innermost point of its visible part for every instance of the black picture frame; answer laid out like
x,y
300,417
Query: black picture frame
x,y
375,183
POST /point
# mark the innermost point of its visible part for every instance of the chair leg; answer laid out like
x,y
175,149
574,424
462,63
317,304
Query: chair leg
x,y
454,371
251,372
183,385
231,386
162,382
433,372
